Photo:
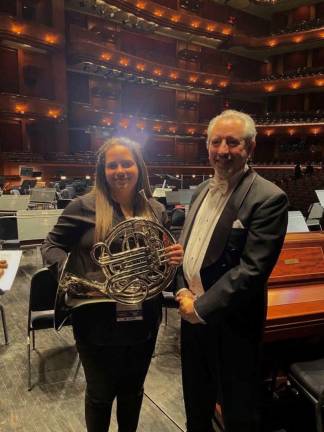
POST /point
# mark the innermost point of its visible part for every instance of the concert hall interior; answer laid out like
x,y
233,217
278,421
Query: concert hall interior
x,y
74,73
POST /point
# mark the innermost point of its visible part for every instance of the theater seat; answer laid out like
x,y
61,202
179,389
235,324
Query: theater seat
x,y
308,377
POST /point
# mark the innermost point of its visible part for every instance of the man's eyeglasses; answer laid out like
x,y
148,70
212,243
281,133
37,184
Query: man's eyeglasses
x,y
230,141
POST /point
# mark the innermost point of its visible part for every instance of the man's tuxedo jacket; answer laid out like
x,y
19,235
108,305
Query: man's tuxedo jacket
x,y
238,261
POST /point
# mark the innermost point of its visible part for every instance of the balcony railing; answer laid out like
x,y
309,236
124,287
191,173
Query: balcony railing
x,y
30,32
87,116
24,106
279,85
93,36
174,18
145,15
301,26
304,71
285,117
132,12
98,58
272,42
289,123
85,52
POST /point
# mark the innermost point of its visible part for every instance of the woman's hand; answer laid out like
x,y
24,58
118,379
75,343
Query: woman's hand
x,y
174,254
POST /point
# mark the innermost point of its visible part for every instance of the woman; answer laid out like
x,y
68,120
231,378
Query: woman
x,y
115,353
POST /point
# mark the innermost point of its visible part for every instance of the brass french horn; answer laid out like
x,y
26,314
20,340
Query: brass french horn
x,y
133,265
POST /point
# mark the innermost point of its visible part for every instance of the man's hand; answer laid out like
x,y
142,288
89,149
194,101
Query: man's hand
x,y
184,292
186,306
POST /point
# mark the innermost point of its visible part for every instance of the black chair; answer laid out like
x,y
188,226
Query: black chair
x,y
62,203
9,232
177,220
308,377
168,302
43,289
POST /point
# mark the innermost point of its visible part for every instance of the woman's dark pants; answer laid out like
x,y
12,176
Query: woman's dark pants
x,y
115,372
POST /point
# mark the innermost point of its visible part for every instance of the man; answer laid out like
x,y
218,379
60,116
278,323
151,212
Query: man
x,y
297,171
232,237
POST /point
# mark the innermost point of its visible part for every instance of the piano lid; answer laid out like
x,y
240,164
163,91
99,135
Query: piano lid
x,y
300,261
296,289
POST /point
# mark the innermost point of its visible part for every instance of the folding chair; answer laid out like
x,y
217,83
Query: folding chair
x,y
43,289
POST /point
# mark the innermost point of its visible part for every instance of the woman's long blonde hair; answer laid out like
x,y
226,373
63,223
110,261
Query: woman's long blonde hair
x,y
104,208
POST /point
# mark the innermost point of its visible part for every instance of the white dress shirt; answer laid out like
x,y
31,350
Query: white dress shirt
x,y
205,222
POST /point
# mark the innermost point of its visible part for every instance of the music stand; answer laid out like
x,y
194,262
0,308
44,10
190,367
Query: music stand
x,y
315,217
185,196
320,196
34,225
43,195
296,222
11,203
172,198
160,192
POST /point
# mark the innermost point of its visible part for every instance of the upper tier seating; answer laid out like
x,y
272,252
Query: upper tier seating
x,y
299,72
301,192
301,26
289,117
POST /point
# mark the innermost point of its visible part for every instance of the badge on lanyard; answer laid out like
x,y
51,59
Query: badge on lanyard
x,y
129,312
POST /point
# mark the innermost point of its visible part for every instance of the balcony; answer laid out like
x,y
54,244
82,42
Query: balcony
x,y
286,86
87,117
276,86
89,55
148,16
290,118
279,43
24,106
94,58
93,35
84,116
291,129
174,18
304,71
21,31
301,26
290,123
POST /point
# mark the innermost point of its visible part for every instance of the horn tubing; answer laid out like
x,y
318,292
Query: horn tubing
x,y
105,261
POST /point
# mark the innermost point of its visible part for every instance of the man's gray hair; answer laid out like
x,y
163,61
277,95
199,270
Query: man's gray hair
x,y
249,125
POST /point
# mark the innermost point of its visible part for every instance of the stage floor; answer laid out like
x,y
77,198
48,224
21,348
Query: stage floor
x,y
56,401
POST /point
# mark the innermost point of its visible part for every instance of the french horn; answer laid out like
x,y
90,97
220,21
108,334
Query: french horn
x,y
132,264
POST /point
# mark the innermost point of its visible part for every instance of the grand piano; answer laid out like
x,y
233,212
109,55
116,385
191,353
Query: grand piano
x,y
296,289
294,328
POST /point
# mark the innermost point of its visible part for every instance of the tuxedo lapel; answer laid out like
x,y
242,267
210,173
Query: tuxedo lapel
x,y
229,214
192,215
